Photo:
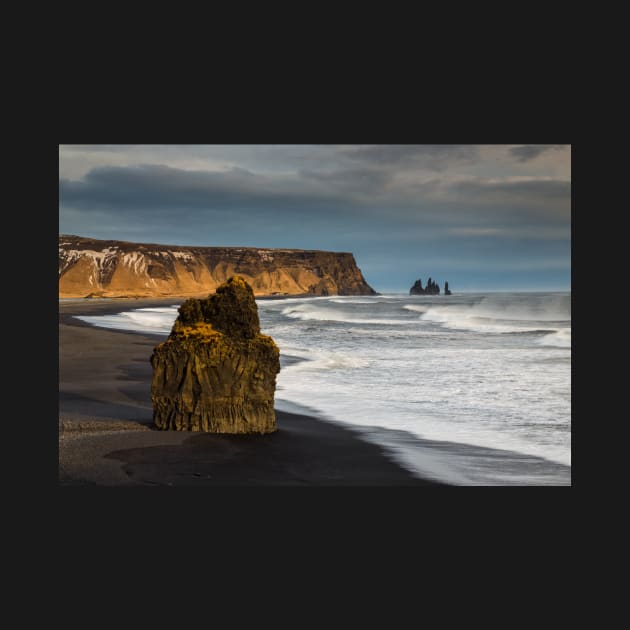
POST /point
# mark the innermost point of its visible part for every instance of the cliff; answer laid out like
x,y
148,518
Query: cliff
x,y
97,268
216,372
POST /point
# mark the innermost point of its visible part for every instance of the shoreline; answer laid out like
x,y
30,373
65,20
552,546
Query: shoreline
x,y
112,385
106,435
180,298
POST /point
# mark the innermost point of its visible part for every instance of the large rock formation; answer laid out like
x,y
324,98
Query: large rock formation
x,y
216,372
417,289
447,291
432,288
89,267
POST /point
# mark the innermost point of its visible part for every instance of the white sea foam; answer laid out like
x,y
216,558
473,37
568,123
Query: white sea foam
x,y
521,309
326,360
560,338
500,314
482,324
415,308
350,301
153,320
306,312
276,301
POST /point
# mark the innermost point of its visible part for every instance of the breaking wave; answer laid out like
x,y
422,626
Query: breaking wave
x,y
498,314
560,339
312,312
153,320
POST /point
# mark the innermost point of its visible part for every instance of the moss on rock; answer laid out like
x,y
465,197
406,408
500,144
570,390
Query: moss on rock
x,y
216,372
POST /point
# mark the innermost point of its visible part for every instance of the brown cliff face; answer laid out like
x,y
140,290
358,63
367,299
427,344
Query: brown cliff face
x,y
216,372
89,267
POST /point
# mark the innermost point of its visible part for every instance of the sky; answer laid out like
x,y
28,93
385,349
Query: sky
x,y
482,217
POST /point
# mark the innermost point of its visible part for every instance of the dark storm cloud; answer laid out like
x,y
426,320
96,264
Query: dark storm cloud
x,y
154,187
436,157
528,152
156,190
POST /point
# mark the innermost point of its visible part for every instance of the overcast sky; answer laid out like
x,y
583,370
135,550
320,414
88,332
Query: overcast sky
x,y
479,216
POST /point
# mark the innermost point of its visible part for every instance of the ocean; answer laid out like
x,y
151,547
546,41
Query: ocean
x,y
472,388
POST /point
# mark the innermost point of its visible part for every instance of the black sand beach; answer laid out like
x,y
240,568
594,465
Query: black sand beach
x,y
106,438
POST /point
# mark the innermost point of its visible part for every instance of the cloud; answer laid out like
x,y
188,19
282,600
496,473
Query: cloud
x,y
435,157
355,200
362,181
527,152
157,187
550,194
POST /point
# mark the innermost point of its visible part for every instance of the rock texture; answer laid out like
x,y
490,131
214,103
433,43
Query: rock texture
x,y
216,372
95,268
432,288
417,289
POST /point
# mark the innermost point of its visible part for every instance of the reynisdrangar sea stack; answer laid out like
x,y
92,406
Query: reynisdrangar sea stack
x,y
216,372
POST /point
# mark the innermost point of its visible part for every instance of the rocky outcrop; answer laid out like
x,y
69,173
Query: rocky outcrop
x,y
417,289
90,267
447,291
432,288
216,372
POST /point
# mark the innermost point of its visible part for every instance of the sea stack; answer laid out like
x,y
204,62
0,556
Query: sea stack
x,y
417,289
447,291
216,372
432,288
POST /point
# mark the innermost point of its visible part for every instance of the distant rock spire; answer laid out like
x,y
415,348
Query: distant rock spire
x,y
432,288
447,291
